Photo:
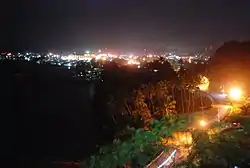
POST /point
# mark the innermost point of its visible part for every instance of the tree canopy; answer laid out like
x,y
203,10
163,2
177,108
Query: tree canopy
x,y
231,63
139,148
221,149
146,99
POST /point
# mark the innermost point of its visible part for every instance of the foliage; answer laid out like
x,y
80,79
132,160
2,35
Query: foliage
x,y
140,149
152,102
231,63
134,103
222,150
190,76
245,107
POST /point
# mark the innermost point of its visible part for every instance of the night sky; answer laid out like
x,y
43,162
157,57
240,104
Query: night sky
x,y
80,24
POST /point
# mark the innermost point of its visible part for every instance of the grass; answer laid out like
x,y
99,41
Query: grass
x,y
194,118
209,114
244,120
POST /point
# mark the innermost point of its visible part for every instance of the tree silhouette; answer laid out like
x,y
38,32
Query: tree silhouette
x,y
230,63
221,149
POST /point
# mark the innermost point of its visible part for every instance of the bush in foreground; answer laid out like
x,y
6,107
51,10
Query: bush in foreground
x,y
139,149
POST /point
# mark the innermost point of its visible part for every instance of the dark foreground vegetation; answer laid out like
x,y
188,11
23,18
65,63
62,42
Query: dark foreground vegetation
x,y
221,146
48,116
230,65
45,114
111,156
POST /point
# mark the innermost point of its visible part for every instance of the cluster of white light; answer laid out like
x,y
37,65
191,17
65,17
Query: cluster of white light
x,y
76,57
133,62
104,56
174,57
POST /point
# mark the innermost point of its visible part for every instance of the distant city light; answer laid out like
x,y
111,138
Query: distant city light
x,y
133,62
156,70
133,59
190,60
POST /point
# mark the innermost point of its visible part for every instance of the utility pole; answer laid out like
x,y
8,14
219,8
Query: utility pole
x,y
218,114
201,96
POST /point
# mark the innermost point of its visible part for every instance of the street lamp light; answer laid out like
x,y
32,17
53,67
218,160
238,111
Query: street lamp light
x,y
203,123
235,93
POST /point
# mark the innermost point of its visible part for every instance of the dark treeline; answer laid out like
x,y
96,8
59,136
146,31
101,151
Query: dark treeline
x,y
47,115
230,64
134,97
123,88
